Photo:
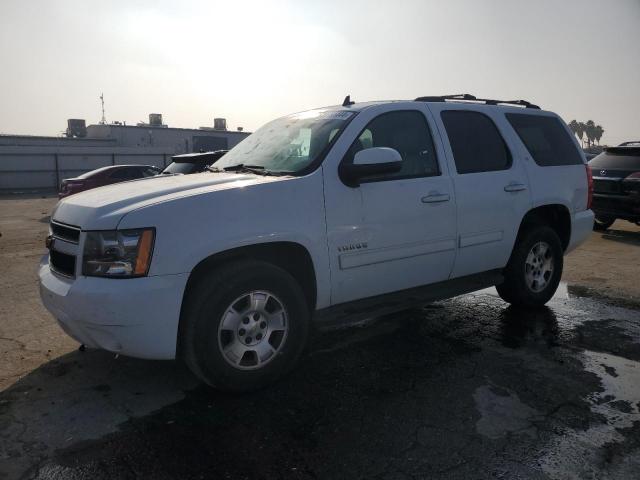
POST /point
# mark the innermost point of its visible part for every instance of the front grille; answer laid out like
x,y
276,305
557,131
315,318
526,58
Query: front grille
x,y
62,263
65,232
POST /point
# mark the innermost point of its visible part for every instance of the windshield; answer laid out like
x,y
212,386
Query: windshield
x,y
288,144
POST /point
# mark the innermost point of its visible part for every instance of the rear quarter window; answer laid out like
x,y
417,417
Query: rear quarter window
x,y
546,139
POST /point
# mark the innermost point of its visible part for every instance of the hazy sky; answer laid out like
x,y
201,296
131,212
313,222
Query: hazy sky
x,y
252,61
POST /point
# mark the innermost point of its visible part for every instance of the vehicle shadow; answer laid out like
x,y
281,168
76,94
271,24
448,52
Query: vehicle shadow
x,y
522,327
622,236
81,396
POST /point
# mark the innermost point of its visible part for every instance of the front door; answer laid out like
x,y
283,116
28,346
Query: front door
x,y
394,231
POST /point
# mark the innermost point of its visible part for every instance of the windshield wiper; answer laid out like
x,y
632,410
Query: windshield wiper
x,y
257,169
241,167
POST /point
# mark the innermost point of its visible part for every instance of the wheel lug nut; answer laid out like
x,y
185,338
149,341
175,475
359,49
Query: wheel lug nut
x,y
263,325
245,320
248,339
241,332
259,336
256,316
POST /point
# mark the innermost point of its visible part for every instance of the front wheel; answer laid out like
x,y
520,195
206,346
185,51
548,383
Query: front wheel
x,y
601,224
534,269
245,325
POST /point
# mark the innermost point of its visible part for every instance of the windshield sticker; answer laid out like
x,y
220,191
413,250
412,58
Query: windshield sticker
x,y
336,114
323,115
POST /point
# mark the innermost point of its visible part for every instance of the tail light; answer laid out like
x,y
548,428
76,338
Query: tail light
x,y
631,184
589,187
71,184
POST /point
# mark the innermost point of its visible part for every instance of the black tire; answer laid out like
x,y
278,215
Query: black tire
x,y
515,289
601,224
205,308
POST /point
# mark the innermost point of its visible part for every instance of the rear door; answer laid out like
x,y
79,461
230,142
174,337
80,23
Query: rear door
x,y
491,185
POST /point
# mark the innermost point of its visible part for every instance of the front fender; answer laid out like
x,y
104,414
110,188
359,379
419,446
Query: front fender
x,y
193,228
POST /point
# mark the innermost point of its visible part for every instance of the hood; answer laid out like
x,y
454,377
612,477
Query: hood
x,y
102,208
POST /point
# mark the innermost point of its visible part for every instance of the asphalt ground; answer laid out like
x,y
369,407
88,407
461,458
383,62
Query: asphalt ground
x,y
465,388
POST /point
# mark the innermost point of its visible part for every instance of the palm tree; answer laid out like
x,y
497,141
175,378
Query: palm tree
x,y
598,133
581,129
589,130
573,125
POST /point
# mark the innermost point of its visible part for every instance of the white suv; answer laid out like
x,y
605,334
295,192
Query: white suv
x,y
319,217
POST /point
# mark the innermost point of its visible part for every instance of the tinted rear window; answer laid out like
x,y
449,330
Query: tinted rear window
x,y
624,158
475,141
546,139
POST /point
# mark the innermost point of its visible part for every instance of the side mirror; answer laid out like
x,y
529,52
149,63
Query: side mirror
x,y
371,161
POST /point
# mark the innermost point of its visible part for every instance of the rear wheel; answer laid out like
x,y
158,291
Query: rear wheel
x,y
245,325
534,269
602,223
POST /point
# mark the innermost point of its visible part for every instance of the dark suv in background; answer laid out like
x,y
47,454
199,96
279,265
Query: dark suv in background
x,y
105,176
616,183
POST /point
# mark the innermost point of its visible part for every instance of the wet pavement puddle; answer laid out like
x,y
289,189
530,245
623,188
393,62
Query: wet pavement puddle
x,y
574,454
502,413
465,388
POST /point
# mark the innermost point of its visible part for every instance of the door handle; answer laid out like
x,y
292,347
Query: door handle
x,y
515,187
436,198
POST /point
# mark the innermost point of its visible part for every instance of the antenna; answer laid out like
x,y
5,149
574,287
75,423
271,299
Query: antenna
x,y
103,121
347,101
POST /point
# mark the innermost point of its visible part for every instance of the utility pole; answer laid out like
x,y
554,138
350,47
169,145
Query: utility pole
x,y
103,121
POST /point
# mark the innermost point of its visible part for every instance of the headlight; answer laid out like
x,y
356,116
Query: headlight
x,y
118,253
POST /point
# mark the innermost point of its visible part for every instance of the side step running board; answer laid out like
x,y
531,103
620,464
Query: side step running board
x,y
352,312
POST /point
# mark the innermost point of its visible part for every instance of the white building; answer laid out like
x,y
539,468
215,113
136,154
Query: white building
x,y
29,163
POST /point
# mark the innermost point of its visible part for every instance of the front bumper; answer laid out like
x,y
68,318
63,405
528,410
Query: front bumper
x,y
137,317
626,207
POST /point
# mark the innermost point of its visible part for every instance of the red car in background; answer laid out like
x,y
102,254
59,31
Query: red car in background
x,y
105,176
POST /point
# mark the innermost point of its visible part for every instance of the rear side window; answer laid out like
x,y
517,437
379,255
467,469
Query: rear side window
x,y
475,141
546,139
125,174
149,172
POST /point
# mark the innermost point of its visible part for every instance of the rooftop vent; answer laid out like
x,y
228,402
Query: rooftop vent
x,y
155,119
219,123
76,127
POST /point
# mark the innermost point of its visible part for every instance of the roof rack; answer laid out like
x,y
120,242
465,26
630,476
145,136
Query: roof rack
x,y
465,97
